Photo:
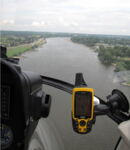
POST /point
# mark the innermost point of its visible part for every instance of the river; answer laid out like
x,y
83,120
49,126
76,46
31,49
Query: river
x,y
60,58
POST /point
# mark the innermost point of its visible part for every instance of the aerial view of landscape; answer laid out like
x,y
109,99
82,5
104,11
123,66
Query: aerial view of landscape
x,y
112,50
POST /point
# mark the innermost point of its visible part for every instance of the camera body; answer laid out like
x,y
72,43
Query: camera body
x,y
23,102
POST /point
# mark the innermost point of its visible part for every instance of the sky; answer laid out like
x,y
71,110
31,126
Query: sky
x,y
73,16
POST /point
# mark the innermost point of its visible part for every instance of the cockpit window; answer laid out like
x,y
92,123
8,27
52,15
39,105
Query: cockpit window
x,y
59,38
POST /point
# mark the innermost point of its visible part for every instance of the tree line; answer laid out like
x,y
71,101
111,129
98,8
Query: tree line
x,y
92,40
11,39
119,55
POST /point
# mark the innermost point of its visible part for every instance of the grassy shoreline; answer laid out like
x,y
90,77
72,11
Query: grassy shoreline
x,y
18,50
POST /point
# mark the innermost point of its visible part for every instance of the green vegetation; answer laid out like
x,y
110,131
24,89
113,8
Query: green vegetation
x,y
122,66
119,55
93,40
111,49
16,38
17,50
85,40
19,42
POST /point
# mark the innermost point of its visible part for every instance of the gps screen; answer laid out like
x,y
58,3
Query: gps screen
x,y
83,102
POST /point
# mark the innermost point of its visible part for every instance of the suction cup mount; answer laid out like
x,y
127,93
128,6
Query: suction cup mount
x,y
117,100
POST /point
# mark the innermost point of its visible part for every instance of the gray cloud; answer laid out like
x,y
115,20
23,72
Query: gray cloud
x,y
102,16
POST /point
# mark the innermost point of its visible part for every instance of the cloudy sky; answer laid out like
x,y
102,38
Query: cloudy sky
x,y
82,16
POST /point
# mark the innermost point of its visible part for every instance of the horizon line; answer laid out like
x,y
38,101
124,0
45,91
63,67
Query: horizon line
x,y
66,32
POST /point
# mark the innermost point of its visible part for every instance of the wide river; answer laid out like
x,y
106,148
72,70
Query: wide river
x,y
60,58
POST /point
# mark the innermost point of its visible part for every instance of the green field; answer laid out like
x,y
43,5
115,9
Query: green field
x,y
18,50
18,42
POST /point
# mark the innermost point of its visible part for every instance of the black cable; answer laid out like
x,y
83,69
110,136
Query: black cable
x,y
117,144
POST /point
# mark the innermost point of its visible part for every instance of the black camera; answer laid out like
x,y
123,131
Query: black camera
x,y
23,102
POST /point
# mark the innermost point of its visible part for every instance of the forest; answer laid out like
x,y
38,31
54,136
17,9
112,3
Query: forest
x,y
92,39
118,55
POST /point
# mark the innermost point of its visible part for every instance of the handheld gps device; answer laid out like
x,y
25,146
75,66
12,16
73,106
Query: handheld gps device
x,y
82,106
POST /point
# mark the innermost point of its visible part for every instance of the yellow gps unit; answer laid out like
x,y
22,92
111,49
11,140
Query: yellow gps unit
x,y
82,109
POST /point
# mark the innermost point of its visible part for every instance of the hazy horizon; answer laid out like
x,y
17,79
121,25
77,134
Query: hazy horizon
x,y
63,32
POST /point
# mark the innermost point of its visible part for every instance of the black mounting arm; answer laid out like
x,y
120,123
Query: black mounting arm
x,y
116,107
59,84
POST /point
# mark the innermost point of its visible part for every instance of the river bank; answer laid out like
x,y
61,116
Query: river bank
x,y
108,55
124,78
18,50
